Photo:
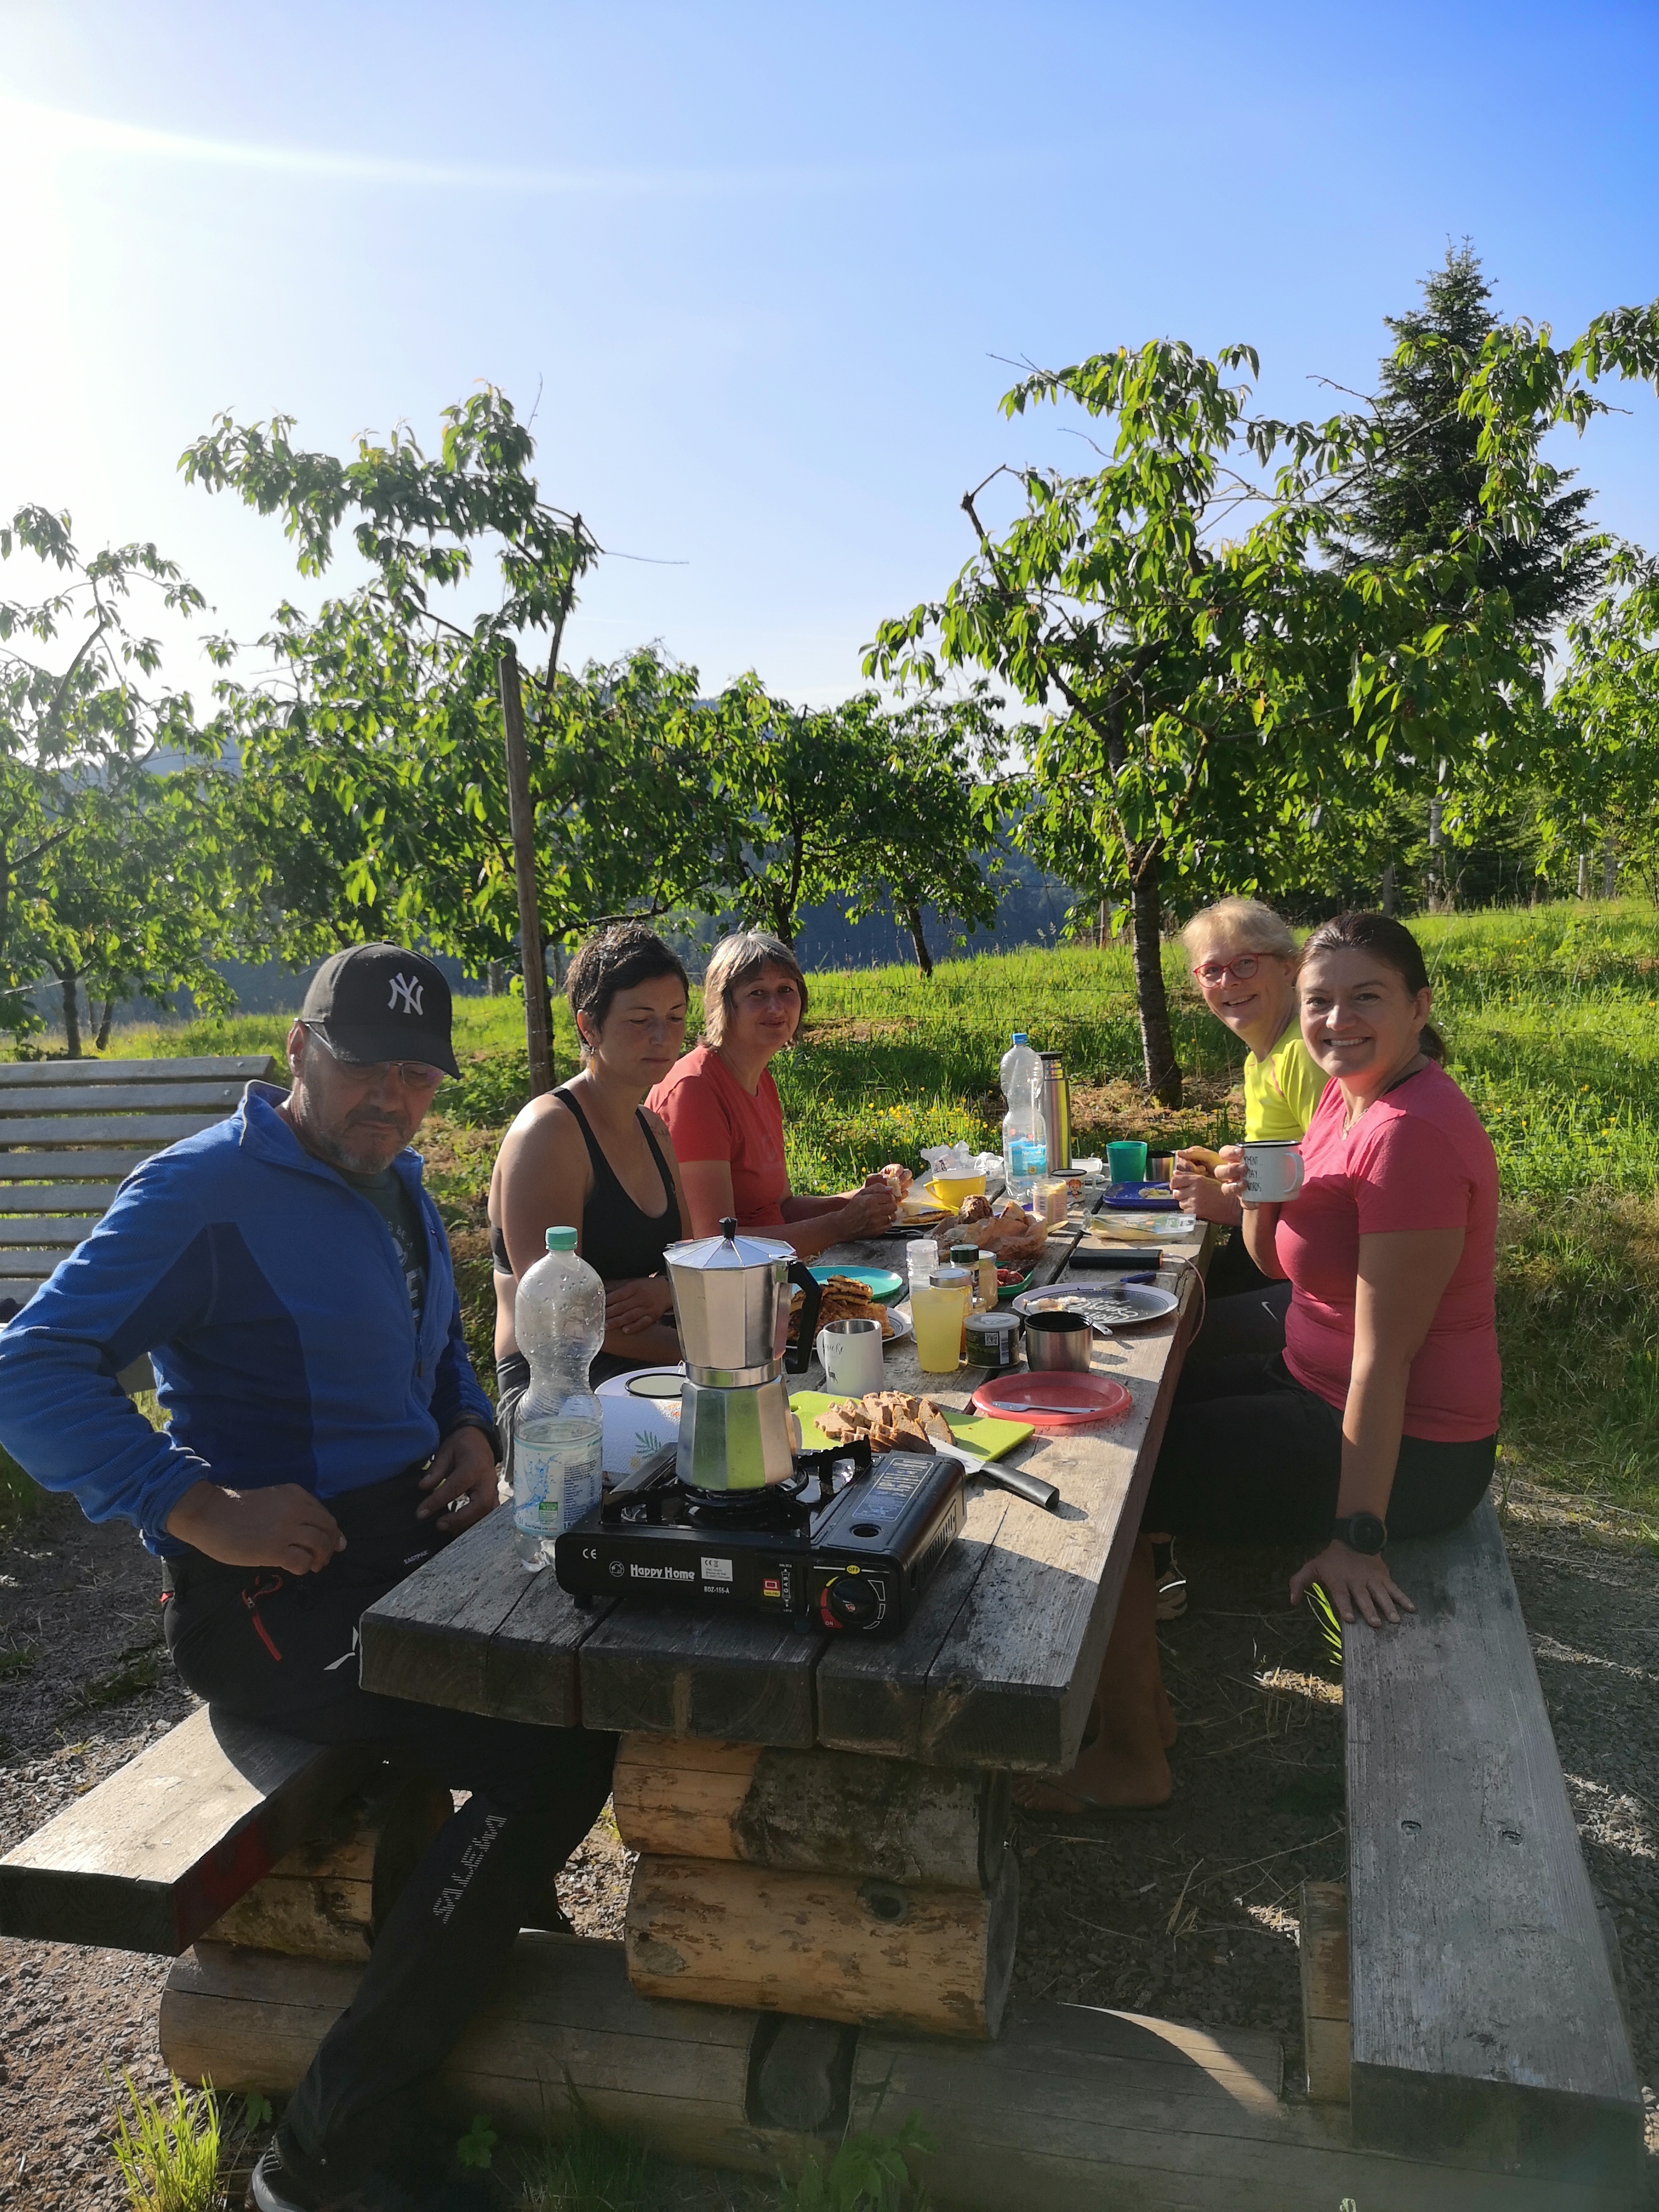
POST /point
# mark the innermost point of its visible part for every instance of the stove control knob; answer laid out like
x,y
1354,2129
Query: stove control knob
x,y
851,1601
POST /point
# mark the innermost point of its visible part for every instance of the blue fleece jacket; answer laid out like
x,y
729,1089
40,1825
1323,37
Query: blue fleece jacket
x,y
270,1298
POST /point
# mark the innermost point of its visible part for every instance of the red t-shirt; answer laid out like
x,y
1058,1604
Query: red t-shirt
x,y
1418,1158
711,1116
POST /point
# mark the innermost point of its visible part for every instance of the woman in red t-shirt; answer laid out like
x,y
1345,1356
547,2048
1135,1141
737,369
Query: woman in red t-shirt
x,y
1380,1414
723,1112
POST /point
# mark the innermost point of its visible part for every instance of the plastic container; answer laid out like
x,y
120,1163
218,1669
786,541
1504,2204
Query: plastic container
x,y
1025,1138
938,1313
921,1257
559,1321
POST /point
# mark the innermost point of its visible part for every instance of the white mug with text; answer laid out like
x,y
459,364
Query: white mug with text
x,y
1272,1171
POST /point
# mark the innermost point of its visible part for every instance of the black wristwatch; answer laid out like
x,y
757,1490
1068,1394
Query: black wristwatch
x,y
1362,1532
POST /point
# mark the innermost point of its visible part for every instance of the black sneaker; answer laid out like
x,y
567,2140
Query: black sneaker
x,y
277,2187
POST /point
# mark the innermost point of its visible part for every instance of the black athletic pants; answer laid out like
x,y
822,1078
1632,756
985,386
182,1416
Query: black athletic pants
x,y
1250,1457
283,1649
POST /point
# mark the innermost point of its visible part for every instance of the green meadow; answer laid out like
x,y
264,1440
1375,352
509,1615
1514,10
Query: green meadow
x,y
1552,1024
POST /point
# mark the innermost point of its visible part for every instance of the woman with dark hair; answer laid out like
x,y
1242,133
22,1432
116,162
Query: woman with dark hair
x,y
592,1154
723,1109
1379,1418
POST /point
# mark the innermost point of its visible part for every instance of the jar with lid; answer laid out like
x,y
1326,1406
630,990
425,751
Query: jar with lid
x,y
966,1256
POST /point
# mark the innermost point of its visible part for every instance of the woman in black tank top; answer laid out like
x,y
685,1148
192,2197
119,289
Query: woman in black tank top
x,y
589,1155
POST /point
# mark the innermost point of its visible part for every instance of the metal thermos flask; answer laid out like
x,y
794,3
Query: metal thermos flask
x,y
1057,1114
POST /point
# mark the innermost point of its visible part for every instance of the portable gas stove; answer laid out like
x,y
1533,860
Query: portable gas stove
x,y
846,1541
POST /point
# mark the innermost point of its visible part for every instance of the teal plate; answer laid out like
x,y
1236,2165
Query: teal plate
x,y
881,1282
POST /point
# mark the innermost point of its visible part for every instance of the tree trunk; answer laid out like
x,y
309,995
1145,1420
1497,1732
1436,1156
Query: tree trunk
x,y
1583,875
1388,888
494,979
910,915
102,1044
1610,872
1145,919
71,1014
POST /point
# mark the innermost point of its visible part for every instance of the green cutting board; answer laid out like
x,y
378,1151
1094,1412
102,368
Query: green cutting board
x,y
978,1433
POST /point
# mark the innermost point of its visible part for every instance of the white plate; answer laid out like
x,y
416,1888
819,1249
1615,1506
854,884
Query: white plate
x,y
1120,1306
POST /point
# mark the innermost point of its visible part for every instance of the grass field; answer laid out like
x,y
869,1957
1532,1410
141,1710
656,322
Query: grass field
x,y
1552,1027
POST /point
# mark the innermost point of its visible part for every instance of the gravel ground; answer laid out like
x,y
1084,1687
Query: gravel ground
x,y
1189,1912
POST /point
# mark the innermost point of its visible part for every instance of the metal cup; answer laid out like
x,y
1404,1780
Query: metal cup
x,y
851,1352
1060,1342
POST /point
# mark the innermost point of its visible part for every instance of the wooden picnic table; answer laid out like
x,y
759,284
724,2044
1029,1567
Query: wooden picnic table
x,y
823,1820
996,1670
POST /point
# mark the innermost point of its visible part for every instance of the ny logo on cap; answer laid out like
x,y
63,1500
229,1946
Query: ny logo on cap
x,y
405,989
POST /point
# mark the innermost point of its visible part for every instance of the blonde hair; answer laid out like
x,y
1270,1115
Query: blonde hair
x,y
1245,921
735,961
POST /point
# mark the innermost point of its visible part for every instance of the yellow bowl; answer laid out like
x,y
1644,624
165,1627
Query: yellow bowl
x,y
951,1190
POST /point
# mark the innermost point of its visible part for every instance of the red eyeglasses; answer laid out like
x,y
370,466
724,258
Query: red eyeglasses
x,y
1217,971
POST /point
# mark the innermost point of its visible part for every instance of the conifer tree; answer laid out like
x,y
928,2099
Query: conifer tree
x,y
1428,486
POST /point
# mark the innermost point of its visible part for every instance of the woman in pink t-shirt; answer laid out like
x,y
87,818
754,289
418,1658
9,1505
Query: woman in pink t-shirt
x,y
723,1112
1380,1414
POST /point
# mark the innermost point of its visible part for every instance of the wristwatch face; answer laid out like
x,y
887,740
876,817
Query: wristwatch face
x,y
1363,1532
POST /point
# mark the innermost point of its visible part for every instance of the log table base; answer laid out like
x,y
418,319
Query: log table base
x,y
819,1883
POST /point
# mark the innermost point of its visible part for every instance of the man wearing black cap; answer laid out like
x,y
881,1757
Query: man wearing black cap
x,y
291,1281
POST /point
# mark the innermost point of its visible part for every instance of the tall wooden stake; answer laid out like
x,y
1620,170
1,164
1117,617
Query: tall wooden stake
x,y
537,1021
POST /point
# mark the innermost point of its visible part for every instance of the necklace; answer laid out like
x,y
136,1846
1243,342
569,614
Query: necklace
x,y
1419,1061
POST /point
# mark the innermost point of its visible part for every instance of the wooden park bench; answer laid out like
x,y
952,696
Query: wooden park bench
x,y
1481,2019
71,1130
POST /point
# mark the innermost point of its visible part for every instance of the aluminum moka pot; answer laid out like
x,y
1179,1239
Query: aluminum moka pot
x,y
731,1303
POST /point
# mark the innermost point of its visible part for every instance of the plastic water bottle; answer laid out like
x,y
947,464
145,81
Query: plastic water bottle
x,y
558,1318
1025,1138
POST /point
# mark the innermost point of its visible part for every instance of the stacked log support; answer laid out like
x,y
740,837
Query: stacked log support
x,y
1073,2109
819,1883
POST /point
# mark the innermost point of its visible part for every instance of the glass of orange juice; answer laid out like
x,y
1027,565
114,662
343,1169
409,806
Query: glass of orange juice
x,y
937,1312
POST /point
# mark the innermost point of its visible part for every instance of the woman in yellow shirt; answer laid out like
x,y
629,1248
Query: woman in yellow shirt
x,y
1244,961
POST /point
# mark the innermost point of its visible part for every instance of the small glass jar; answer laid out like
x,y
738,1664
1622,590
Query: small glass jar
x,y
966,1256
993,1341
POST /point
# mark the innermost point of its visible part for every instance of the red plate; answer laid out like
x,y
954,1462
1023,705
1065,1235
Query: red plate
x,y
1085,1397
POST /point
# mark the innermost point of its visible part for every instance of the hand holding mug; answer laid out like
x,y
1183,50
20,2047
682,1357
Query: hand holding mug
x,y
1272,1171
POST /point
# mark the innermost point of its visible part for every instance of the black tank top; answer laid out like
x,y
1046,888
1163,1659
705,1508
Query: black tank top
x,y
618,1240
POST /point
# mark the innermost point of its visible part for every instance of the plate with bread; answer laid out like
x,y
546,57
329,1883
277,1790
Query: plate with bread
x,y
849,1298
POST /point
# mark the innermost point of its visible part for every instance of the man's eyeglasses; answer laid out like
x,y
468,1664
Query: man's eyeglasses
x,y
1217,971
413,1074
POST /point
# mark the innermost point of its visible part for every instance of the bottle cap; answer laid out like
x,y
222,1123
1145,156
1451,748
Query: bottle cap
x,y
951,1279
1020,1037
561,1240
964,1255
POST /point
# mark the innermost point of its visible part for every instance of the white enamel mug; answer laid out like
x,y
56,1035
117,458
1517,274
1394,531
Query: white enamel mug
x,y
1272,1171
851,1352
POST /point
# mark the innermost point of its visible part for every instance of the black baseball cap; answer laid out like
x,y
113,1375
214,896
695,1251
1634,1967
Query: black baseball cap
x,y
378,1002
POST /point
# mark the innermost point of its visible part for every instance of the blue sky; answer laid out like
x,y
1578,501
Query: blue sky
x,y
759,262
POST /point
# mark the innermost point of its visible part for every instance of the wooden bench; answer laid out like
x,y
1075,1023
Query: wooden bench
x,y
71,1130
1484,2025
228,1829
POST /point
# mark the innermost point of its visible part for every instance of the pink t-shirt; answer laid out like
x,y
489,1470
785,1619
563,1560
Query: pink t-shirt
x,y
1418,1158
711,1116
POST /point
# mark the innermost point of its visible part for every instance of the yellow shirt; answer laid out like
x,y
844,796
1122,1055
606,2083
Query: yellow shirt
x,y
1281,1092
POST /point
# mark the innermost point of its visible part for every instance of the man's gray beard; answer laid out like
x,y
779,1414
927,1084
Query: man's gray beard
x,y
338,1152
